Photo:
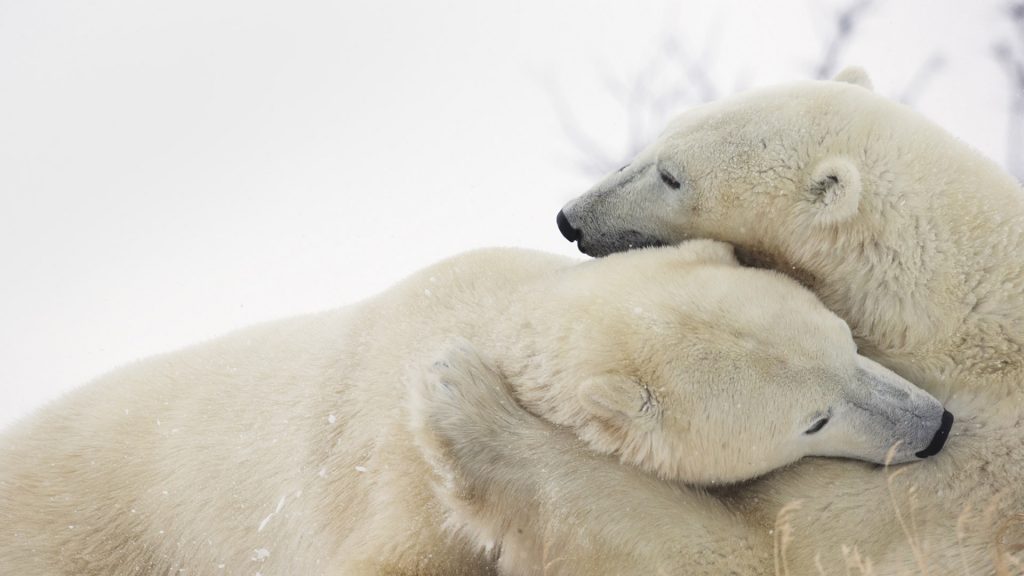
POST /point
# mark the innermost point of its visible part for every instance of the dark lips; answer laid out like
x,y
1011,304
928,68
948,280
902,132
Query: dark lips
x,y
939,440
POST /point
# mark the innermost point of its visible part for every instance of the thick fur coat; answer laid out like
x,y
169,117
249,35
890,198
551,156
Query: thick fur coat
x,y
286,448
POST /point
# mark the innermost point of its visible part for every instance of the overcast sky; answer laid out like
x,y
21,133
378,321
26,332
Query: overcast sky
x,y
170,171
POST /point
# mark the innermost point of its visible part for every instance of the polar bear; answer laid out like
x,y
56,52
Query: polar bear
x,y
911,237
285,448
547,505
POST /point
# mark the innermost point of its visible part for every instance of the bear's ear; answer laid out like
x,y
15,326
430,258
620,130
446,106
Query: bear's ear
x,y
619,401
834,190
855,75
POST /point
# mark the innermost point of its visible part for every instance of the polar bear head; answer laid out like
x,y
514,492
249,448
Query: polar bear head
x,y
685,364
879,211
761,165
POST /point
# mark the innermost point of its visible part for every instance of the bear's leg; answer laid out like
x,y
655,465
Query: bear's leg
x,y
403,530
549,504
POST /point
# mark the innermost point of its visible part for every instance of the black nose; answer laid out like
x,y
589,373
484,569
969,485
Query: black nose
x,y
571,234
939,440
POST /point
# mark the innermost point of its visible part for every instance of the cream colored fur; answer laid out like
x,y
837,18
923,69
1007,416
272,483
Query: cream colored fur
x,y
284,448
915,240
548,505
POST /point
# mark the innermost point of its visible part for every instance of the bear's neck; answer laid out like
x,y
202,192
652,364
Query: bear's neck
x,y
932,283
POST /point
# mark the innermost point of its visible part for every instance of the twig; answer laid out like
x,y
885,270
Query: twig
x,y
846,24
922,76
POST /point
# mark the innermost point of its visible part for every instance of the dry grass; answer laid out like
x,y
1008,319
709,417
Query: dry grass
x,y
783,536
1007,546
1007,561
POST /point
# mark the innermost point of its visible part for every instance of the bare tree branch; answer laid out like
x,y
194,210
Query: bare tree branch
x,y
922,76
1009,56
846,22
594,158
674,79
646,103
1011,63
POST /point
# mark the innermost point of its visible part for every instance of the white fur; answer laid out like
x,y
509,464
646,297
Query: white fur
x,y
547,505
284,448
924,262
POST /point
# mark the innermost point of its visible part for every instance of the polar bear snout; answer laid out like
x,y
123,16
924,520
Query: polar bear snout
x,y
939,440
883,418
570,232
629,209
920,433
608,241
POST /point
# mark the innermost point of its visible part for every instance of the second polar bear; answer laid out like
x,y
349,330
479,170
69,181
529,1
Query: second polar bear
x,y
911,237
285,448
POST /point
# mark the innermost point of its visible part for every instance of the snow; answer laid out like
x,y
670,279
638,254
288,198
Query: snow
x,y
263,523
280,506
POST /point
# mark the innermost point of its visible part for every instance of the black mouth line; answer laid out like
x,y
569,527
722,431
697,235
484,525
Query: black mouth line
x,y
939,440
631,240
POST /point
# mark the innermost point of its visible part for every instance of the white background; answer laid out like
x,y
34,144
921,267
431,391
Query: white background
x,y
173,170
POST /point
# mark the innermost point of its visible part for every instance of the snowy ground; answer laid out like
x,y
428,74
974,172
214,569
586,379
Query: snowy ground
x,y
170,171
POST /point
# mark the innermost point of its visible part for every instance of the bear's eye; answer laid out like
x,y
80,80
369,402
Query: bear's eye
x,y
669,180
817,426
